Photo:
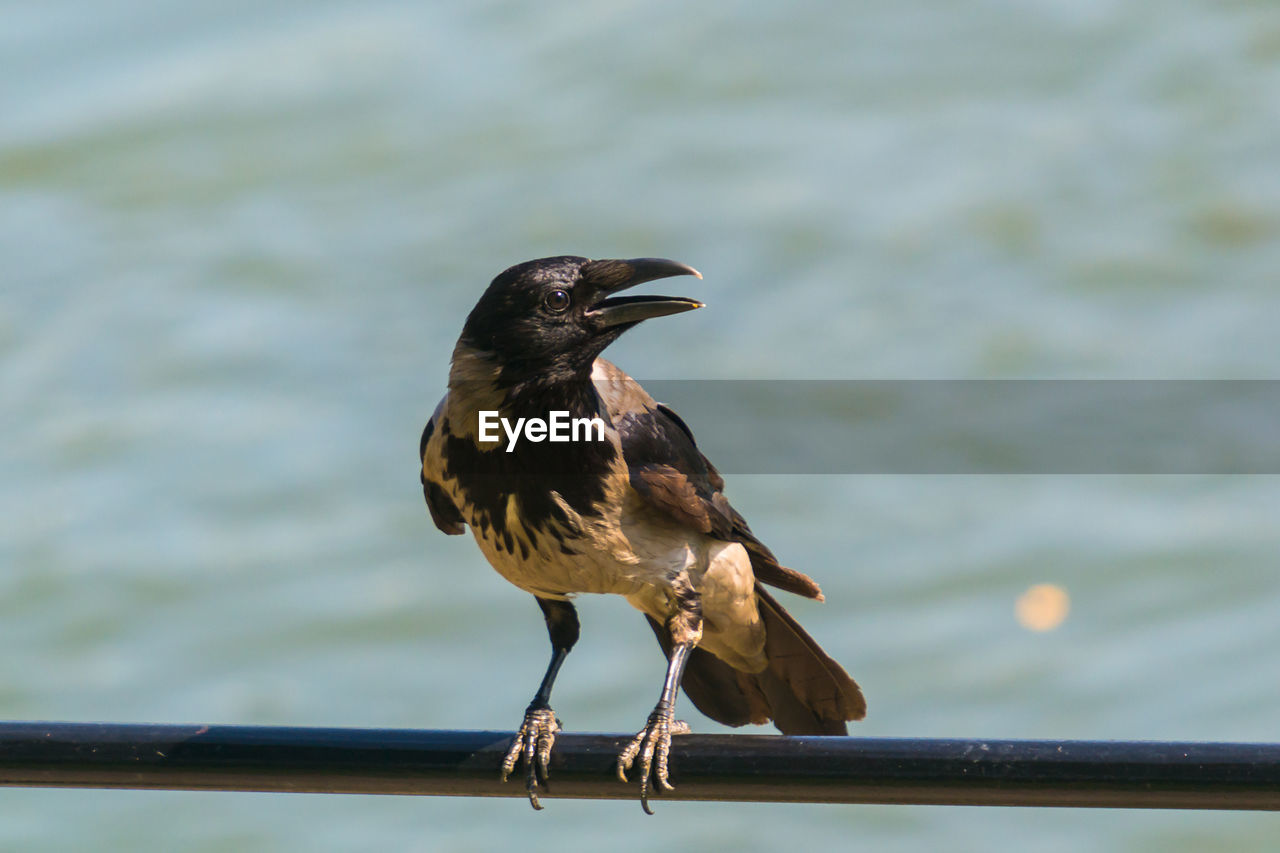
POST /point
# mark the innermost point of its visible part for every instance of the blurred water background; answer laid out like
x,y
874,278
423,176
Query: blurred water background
x,y
238,241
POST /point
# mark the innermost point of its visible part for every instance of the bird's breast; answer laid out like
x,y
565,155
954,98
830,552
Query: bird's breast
x,y
547,517
558,519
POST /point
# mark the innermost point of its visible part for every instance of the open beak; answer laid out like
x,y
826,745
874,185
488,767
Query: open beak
x,y
611,276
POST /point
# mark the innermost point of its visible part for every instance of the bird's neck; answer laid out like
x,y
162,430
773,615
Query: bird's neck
x,y
537,399
477,382
473,382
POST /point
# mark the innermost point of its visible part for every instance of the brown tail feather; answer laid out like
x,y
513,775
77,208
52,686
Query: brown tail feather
x,y
766,567
789,714
802,690
812,694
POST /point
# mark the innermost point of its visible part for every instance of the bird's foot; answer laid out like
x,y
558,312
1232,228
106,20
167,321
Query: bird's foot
x,y
533,742
653,747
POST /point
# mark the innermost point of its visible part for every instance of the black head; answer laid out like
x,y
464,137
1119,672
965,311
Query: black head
x,y
550,318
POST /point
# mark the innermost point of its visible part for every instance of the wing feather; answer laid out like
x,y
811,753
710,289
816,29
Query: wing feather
x,y
444,512
669,471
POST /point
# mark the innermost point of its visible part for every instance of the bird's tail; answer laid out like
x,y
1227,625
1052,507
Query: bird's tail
x,y
808,693
802,690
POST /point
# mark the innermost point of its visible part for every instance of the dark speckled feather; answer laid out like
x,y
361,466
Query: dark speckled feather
x,y
443,511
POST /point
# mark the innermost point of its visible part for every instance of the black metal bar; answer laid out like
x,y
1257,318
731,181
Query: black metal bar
x,y
761,768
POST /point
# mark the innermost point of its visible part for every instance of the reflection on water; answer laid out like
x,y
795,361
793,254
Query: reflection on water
x,y
1043,607
239,244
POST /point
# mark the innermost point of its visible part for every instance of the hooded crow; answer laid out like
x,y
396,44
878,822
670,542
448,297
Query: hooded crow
x,y
628,506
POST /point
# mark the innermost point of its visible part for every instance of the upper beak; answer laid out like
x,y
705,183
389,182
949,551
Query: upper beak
x,y
611,276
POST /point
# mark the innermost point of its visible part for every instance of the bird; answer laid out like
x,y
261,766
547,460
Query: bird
x,y
631,508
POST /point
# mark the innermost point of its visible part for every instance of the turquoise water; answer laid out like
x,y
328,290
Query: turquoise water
x,y
239,243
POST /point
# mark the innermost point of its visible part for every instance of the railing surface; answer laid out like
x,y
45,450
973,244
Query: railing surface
x,y
757,768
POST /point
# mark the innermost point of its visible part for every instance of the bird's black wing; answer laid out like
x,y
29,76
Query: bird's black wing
x,y
443,511
669,471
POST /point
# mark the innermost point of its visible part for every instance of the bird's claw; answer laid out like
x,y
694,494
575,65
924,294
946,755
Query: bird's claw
x,y
533,743
652,745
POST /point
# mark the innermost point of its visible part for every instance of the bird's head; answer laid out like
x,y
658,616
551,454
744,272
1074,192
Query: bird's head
x,y
548,319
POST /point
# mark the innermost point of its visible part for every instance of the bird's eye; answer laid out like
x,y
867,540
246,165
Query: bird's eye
x,y
557,301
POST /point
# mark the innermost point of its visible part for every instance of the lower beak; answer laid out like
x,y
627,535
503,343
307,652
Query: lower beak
x,y
633,309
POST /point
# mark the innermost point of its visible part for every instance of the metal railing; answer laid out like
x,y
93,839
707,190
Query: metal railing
x,y
757,768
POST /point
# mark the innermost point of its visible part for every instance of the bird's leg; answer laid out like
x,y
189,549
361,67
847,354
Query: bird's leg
x,y
653,743
538,731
